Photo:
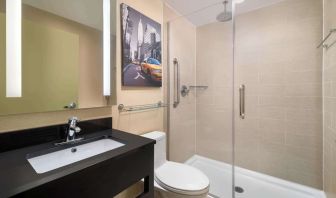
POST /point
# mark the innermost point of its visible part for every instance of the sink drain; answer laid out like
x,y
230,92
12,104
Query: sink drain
x,y
239,189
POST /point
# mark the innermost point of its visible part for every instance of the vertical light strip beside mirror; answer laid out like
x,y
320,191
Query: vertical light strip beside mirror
x,y
107,48
13,48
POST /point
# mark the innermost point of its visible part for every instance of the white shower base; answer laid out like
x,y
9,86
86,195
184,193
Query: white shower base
x,y
255,185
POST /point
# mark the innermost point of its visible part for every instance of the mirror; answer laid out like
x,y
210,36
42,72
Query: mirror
x,y
62,56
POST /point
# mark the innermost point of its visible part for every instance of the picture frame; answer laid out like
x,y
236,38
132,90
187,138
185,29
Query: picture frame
x,y
141,49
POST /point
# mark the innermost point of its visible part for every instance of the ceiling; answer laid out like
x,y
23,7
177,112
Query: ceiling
x,y
201,12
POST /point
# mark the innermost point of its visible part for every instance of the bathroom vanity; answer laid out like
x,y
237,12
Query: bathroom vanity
x,y
99,175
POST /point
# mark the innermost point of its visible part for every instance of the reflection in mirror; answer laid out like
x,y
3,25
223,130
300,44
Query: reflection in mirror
x,y
62,56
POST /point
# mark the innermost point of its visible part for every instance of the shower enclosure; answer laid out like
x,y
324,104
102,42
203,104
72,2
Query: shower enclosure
x,y
246,95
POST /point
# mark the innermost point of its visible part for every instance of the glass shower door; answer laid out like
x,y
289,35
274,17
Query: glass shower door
x,y
278,99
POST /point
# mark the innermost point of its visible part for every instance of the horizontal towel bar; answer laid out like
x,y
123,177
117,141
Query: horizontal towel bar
x,y
123,108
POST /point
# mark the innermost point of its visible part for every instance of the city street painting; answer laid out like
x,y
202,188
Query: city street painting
x,y
141,49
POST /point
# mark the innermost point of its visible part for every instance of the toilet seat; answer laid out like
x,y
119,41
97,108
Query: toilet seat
x,y
181,179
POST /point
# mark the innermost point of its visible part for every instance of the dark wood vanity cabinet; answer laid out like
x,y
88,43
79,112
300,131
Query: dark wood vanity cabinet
x,y
104,180
102,176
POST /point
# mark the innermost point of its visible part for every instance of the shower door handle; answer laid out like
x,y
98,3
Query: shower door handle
x,y
242,101
176,83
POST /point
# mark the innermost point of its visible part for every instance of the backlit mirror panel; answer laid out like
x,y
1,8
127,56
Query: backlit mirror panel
x,y
62,56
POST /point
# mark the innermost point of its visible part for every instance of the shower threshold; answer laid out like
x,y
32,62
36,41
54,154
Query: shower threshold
x,y
249,184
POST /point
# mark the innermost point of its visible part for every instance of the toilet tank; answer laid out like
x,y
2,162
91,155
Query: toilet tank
x,y
159,148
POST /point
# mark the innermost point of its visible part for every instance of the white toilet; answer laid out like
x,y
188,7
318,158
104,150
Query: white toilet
x,y
175,180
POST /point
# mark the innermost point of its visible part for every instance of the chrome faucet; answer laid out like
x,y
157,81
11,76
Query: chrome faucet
x,y
71,132
72,129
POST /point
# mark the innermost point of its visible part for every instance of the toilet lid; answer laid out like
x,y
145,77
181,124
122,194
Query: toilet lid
x,y
181,178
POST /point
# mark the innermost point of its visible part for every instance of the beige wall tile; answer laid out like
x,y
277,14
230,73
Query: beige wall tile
x,y
303,90
277,60
329,82
182,127
214,105
293,102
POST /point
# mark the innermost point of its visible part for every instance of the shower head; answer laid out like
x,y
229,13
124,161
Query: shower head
x,y
224,16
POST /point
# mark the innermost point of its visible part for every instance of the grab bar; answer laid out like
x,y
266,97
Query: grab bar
x,y
242,101
176,82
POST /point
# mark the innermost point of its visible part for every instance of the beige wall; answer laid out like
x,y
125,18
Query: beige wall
x,y
329,85
24,121
132,122
277,60
182,127
214,104
138,123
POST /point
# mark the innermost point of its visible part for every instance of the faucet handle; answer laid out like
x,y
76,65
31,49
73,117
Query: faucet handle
x,y
74,118
78,129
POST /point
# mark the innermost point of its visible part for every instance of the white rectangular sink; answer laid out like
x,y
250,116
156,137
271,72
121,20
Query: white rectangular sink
x,y
57,159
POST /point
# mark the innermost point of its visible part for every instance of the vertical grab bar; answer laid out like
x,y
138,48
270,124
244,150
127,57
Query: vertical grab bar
x,y
242,101
176,83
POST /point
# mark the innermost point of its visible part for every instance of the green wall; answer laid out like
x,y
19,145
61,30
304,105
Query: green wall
x,y
50,69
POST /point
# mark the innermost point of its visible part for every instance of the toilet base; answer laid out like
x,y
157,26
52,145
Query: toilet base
x,y
161,193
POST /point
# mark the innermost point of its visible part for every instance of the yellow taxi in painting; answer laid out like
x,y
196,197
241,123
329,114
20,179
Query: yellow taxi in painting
x,y
152,68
